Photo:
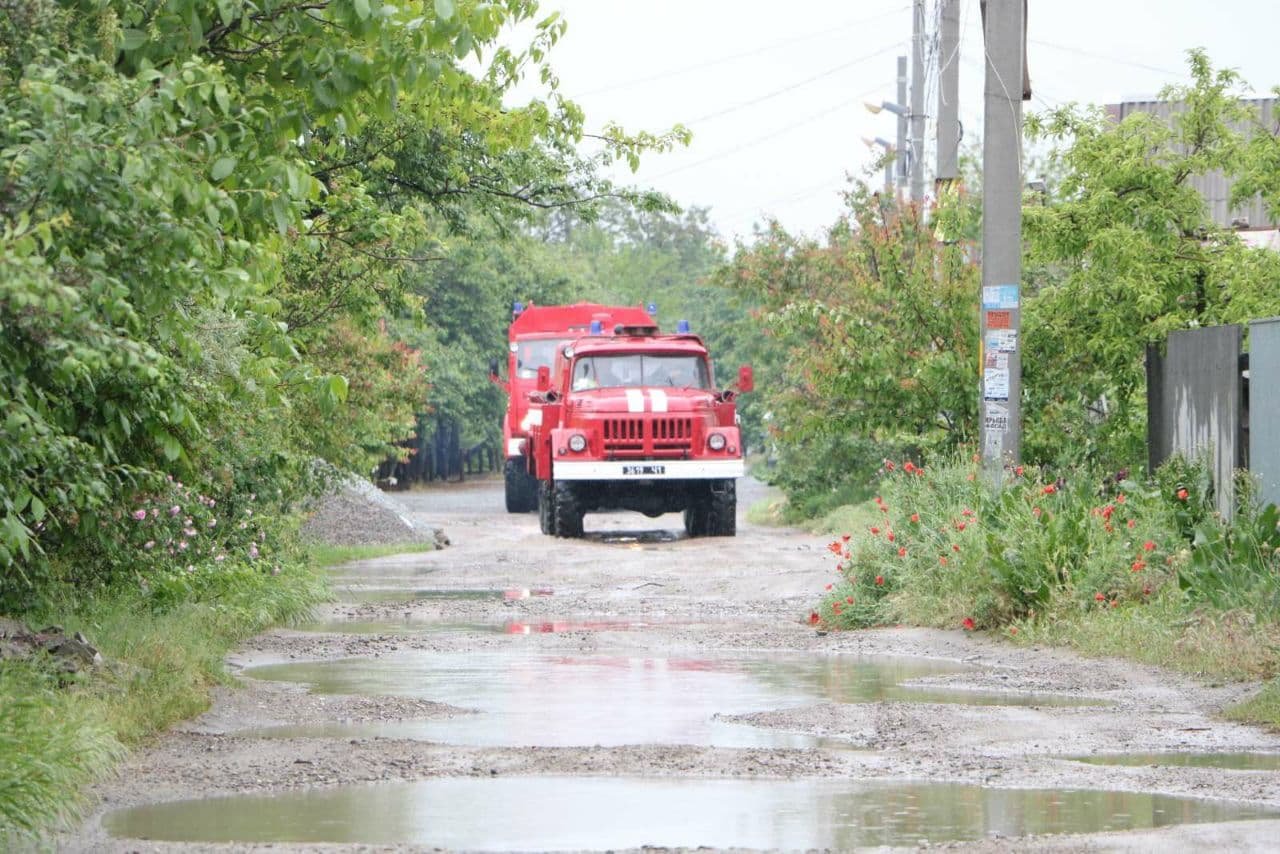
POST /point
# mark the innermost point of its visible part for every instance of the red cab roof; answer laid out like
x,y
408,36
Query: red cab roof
x,y
575,318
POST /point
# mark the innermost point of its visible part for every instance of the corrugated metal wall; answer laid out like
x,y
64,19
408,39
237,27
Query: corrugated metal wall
x,y
1195,407
1264,406
1215,188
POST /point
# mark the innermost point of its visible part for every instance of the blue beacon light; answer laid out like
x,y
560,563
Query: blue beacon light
x,y
682,327
596,327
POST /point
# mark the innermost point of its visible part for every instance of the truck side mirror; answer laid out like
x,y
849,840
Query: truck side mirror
x,y
544,378
746,379
493,369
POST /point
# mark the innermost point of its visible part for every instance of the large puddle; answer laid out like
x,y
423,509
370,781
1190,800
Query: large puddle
x,y
1230,761
559,813
525,698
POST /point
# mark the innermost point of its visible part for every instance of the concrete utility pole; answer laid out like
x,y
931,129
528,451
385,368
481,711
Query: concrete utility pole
x,y
949,93
1003,25
917,102
902,157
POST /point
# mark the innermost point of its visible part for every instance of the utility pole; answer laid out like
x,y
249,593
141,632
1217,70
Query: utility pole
x,y
902,157
949,93
917,102
1001,428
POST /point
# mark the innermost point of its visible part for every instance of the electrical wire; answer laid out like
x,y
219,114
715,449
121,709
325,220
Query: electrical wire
x,y
793,86
1115,59
782,131
711,63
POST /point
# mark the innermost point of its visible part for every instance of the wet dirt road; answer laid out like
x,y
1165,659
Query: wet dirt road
x,y
637,688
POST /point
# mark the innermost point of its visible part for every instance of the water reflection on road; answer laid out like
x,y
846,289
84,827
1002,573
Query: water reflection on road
x,y
575,813
529,698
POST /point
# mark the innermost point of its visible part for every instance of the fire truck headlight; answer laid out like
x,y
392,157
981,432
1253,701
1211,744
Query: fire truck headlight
x,y
716,441
577,443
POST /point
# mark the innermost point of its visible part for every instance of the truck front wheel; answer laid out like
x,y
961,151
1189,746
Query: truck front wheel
x,y
722,511
567,511
522,493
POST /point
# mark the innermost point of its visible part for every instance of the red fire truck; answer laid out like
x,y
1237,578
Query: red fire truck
x,y
634,421
535,333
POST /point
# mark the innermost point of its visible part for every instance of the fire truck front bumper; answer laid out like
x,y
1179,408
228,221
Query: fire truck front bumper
x,y
647,469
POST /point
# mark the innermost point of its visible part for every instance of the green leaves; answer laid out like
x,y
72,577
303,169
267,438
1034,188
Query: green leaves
x,y
444,9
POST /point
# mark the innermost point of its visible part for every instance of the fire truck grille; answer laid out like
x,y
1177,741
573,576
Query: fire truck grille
x,y
640,437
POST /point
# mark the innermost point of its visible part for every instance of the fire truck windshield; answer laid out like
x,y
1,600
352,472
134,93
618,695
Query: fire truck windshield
x,y
640,370
534,354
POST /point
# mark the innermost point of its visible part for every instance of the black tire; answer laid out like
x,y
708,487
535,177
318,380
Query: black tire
x,y
567,511
522,490
695,516
546,507
722,511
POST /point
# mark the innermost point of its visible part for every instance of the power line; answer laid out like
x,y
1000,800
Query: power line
x,y
789,88
1115,59
711,63
783,131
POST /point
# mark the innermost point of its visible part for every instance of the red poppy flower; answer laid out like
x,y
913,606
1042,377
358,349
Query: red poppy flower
x,y
942,561
875,530
1120,498
835,609
834,548
960,526
1049,489
849,599
1036,511
1132,523
1098,597
955,547
1108,510
908,467
879,500
966,512
880,578
902,552
1138,566
1115,603
844,537
1018,471
828,586
1149,546
915,517
1107,527
889,465
814,619
1182,494
884,509
890,536
1013,630
968,624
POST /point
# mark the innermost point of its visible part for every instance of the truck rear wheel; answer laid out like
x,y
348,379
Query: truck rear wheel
x,y
546,507
522,494
567,511
695,517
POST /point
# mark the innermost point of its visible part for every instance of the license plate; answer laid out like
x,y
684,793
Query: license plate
x,y
643,471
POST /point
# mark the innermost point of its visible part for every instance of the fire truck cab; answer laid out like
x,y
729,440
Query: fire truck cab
x,y
634,421
535,335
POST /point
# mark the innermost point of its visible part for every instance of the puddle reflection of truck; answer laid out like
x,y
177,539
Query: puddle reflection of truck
x,y
633,421
535,334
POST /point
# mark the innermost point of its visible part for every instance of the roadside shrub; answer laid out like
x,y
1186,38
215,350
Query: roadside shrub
x,y
950,551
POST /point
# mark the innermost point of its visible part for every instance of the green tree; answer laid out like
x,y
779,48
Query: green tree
x,y
1122,252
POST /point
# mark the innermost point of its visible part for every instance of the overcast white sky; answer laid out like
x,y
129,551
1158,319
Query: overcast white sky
x,y
774,92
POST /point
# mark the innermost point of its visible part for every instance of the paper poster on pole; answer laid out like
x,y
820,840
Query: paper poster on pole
x,y
996,360
1000,296
995,417
999,319
995,384
1001,340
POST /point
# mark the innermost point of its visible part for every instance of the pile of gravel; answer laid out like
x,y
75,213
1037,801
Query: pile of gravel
x,y
360,514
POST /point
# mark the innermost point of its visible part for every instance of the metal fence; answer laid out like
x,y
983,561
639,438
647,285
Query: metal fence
x,y
1206,397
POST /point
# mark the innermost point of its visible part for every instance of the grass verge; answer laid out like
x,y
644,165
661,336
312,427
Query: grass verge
x,y
323,555
160,667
